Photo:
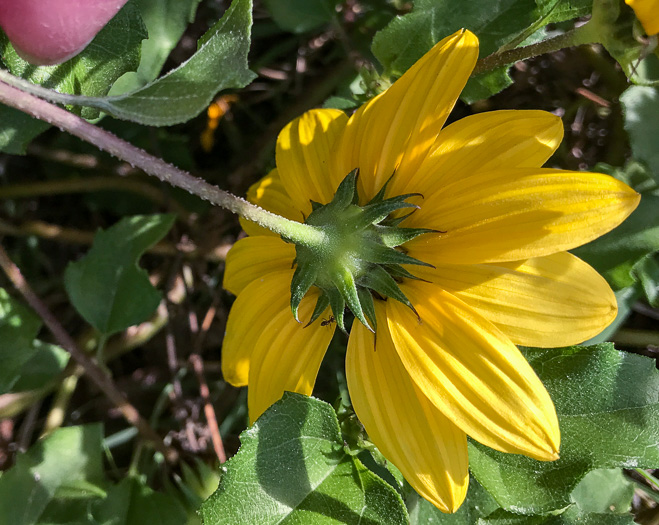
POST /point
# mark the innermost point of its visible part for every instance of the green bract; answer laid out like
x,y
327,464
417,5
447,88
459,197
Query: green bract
x,y
357,256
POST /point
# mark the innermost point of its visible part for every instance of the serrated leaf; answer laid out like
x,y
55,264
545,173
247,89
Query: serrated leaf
x,y
106,286
292,468
19,326
66,456
604,424
300,16
219,63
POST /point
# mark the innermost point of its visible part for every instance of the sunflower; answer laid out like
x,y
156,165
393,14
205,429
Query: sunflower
x,y
647,11
477,267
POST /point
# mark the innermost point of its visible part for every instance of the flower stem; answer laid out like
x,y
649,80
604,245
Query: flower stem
x,y
584,34
294,231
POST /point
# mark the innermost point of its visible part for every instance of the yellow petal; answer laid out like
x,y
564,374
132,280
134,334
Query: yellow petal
x,y
647,11
395,131
429,450
515,214
256,305
484,142
304,149
473,373
287,356
253,257
269,193
556,300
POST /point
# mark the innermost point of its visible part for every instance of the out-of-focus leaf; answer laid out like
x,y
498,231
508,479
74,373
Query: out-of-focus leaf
x,y
604,424
17,130
106,286
299,16
46,363
165,21
571,516
65,458
640,106
604,491
18,327
292,468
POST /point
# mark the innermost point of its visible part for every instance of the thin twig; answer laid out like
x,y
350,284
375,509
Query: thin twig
x,y
92,370
209,411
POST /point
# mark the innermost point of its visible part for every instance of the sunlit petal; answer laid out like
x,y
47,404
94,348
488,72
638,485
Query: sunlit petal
x,y
253,257
473,373
647,11
556,300
258,303
287,356
510,215
394,131
304,149
429,450
269,193
484,142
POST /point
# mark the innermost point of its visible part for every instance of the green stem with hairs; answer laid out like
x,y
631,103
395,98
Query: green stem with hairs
x,y
584,34
296,232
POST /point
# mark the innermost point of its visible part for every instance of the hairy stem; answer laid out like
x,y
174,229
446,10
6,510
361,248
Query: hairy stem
x,y
38,108
585,34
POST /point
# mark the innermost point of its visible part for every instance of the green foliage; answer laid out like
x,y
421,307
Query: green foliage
x,y
106,286
320,484
299,16
641,110
219,63
114,51
165,22
604,424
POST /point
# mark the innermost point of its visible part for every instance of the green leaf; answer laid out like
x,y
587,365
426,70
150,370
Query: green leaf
x,y
603,491
604,424
641,112
106,286
63,459
165,21
477,505
17,130
300,16
292,468
485,85
219,63
133,503
552,11
113,52
18,327
571,516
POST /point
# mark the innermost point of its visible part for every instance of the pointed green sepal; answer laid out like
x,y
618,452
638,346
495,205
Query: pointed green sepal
x,y
321,305
380,254
377,212
345,284
379,280
379,197
303,279
392,237
366,300
346,192
338,306
396,270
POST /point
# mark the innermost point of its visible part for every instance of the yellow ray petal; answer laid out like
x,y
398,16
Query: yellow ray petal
x,y
473,373
556,300
484,142
270,194
510,215
427,448
394,131
259,302
253,257
287,356
304,149
647,11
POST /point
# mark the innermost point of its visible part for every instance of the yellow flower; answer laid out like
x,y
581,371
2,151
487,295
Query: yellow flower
x,y
647,11
500,275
